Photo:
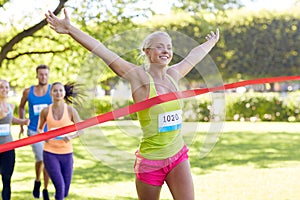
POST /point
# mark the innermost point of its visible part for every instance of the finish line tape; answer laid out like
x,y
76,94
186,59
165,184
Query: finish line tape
x,y
135,108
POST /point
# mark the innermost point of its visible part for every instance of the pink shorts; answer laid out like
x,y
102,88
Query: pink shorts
x,y
154,172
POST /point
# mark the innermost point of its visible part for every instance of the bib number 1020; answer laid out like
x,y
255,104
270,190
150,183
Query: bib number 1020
x,y
171,118
169,121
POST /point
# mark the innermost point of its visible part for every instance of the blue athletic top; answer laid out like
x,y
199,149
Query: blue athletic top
x,y
36,105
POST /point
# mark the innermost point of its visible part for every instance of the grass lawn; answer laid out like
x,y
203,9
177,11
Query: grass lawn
x,y
250,161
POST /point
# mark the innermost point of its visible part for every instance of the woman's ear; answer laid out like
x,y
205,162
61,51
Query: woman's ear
x,y
146,51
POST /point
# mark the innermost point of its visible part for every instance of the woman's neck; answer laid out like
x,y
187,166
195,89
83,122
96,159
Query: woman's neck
x,y
3,101
58,103
3,108
158,72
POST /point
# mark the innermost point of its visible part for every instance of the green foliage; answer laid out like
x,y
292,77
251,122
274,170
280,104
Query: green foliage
x,y
197,110
238,107
245,107
98,106
66,58
193,6
262,107
2,2
252,44
260,44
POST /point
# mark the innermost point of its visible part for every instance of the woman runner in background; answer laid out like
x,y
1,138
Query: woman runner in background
x,y
7,159
58,152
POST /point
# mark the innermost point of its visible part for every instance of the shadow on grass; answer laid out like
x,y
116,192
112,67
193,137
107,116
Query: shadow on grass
x,y
101,154
109,154
72,196
243,148
21,195
261,149
97,173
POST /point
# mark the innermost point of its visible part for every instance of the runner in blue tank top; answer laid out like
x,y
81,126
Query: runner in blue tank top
x,y
35,105
38,97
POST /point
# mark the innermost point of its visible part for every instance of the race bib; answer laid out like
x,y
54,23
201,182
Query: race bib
x,y
169,121
4,130
38,108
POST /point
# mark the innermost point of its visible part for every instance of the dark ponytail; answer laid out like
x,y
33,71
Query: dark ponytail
x,y
73,91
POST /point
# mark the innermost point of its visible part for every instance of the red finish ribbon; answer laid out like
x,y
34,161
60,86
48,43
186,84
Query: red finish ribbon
x,y
135,108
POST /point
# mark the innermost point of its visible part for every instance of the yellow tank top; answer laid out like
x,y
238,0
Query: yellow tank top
x,y
57,145
161,125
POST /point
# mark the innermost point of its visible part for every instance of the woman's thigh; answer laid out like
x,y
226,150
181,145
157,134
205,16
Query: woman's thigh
x,y
146,191
180,181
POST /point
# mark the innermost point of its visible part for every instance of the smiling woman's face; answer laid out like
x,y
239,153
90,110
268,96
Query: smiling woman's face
x,y
58,91
160,51
4,88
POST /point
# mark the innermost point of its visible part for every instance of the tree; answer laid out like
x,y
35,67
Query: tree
x,y
252,44
2,2
261,45
25,48
8,47
194,6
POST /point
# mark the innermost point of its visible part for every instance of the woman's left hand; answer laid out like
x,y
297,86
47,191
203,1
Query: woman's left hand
x,y
67,138
213,36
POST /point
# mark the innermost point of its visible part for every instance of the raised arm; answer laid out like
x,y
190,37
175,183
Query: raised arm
x,y
114,61
180,69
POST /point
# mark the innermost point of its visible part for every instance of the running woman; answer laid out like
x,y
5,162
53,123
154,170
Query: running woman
x,y
58,152
162,155
7,159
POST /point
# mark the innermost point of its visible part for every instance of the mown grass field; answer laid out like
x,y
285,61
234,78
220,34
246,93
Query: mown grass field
x,y
250,161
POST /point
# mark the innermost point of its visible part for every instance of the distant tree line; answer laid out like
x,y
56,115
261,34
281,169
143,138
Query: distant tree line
x,y
252,44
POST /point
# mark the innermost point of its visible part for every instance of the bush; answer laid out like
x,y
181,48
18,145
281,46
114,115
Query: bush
x,y
238,107
263,107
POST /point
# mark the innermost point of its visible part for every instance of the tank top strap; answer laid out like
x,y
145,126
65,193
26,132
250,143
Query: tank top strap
x,y
50,115
173,81
152,89
66,113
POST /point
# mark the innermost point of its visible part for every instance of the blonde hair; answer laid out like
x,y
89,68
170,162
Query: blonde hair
x,y
4,81
149,39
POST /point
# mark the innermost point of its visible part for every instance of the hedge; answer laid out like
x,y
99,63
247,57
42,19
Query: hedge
x,y
238,107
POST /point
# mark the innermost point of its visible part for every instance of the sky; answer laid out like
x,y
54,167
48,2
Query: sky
x,y
268,4
251,5
162,6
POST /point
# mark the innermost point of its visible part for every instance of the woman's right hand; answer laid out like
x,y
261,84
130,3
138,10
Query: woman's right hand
x,y
59,25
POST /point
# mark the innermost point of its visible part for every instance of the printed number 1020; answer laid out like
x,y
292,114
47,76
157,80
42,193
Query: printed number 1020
x,y
170,118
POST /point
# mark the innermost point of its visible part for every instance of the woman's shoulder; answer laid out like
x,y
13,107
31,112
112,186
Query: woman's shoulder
x,y
12,106
45,110
71,108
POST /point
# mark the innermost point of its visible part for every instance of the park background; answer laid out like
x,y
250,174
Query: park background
x,y
256,151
